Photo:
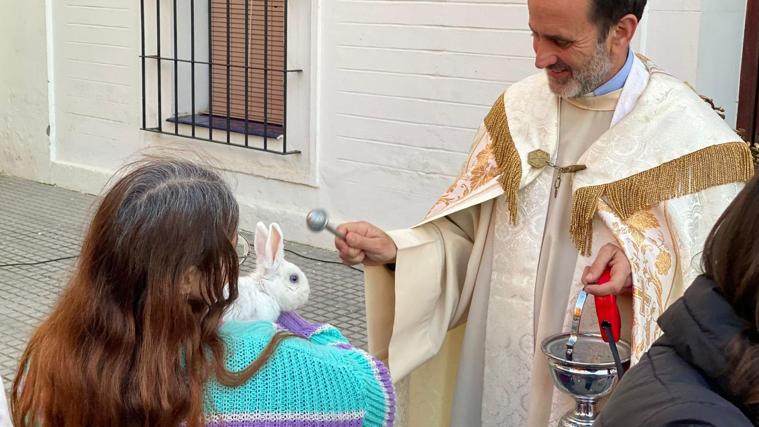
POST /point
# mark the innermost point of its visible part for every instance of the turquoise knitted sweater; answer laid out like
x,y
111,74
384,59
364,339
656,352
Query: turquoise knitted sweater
x,y
319,380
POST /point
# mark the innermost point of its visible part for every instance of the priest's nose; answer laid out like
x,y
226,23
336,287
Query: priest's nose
x,y
544,55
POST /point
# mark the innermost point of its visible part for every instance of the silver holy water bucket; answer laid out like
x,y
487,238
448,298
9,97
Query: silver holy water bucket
x,y
581,365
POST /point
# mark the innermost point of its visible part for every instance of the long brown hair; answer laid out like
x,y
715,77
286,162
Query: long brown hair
x,y
124,346
731,259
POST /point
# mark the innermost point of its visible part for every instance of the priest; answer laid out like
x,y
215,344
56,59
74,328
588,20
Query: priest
x,y
600,161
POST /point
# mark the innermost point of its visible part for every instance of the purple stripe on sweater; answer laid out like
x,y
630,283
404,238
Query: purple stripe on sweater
x,y
292,321
285,423
387,385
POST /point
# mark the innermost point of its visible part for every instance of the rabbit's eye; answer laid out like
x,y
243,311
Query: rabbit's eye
x,y
293,278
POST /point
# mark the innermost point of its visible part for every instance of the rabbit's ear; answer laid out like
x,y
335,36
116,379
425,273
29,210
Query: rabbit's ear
x,y
275,246
260,244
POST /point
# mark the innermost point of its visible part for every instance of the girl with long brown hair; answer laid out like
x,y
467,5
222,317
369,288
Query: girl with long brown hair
x,y
704,370
136,336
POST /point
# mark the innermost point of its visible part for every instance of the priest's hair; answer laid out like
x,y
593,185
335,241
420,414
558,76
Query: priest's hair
x,y
606,13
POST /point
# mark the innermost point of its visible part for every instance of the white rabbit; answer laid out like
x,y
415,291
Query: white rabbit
x,y
275,286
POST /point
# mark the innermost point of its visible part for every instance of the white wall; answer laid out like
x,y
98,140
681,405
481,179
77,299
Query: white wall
x,y
721,48
405,85
184,51
24,148
701,42
96,79
390,97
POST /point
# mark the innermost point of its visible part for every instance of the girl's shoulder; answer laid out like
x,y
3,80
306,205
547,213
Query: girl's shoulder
x,y
303,376
241,329
245,340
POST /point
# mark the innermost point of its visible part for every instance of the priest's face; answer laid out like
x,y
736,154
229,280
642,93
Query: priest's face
x,y
567,46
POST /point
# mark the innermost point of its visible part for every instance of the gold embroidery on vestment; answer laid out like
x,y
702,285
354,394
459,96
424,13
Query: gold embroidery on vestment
x,y
470,180
644,238
643,220
498,158
691,173
663,263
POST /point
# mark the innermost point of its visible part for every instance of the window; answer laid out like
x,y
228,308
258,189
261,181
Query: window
x,y
748,100
225,65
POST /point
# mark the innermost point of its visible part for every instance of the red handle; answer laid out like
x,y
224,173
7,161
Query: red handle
x,y
607,310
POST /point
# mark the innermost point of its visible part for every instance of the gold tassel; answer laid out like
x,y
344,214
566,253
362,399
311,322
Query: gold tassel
x,y
506,155
694,172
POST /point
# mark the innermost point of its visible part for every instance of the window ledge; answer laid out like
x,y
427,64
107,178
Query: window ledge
x,y
271,130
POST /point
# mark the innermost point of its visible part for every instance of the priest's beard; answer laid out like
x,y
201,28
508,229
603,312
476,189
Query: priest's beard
x,y
584,79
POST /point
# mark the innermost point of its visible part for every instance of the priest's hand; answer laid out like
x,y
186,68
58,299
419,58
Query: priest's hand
x,y
365,243
610,256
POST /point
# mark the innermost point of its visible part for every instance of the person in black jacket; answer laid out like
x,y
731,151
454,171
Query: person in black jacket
x,y
704,370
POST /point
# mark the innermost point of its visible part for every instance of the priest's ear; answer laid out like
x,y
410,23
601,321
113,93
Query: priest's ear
x,y
622,33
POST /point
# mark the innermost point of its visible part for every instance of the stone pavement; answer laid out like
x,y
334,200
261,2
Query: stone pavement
x,y
43,225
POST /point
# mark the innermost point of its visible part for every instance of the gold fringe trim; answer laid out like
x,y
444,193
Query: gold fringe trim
x,y
694,172
506,155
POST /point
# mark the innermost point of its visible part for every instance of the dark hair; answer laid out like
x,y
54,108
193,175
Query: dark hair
x,y
606,13
731,259
125,346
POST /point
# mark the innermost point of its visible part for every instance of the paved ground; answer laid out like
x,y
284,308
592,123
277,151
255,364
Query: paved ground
x,y
42,224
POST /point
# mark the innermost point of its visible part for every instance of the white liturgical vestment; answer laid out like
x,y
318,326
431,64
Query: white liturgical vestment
x,y
493,269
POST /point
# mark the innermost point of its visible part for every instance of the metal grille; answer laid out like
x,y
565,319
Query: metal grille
x,y
232,89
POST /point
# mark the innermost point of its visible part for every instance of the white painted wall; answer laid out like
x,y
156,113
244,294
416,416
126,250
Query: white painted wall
x,y
184,51
406,84
701,42
720,49
384,112
24,148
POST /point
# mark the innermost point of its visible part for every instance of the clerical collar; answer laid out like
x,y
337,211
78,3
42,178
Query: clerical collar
x,y
618,81
607,102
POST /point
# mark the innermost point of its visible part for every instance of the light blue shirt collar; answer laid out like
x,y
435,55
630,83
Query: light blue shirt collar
x,y
618,81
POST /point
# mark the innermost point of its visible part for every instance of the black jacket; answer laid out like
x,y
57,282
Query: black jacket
x,y
681,380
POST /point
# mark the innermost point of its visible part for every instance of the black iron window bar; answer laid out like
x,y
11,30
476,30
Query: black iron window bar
x,y
245,126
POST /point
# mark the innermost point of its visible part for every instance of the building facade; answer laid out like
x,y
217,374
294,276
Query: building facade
x,y
382,100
